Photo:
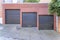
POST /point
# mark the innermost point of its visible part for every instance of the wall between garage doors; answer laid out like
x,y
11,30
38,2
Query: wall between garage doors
x,y
41,9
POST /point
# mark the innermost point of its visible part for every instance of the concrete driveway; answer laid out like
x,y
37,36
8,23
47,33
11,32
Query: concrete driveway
x,y
15,32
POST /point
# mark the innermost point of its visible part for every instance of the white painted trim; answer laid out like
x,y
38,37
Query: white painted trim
x,y
1,21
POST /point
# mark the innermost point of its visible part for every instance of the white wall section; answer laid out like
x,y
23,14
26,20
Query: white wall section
x,y
1,21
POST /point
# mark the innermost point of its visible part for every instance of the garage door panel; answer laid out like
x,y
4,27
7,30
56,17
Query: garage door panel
x,y
45,19
12,21
46,26
12,12
29,19
12,16
46,22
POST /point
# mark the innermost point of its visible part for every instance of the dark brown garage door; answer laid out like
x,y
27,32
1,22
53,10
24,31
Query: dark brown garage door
x,y
12,16
46,22
29,19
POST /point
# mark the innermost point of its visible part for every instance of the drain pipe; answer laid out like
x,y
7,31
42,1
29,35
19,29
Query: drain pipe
x,y
56,23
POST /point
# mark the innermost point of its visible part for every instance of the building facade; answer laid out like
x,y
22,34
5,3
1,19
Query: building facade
x,y
28,15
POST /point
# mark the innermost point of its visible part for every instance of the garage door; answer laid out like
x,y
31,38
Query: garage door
x,y
12,16
46,22
29,19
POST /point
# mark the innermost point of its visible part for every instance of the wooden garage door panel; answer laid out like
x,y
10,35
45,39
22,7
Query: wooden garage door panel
x,y
12,16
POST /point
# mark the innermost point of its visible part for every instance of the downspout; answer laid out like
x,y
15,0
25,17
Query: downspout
x,y
56,23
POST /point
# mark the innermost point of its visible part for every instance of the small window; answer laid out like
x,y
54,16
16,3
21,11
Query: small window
x,y
13,1
7,1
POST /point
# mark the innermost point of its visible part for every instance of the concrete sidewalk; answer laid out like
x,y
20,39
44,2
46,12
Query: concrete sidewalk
x,y
13,32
